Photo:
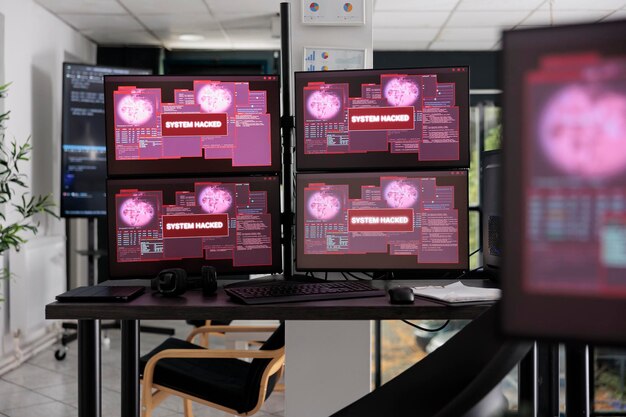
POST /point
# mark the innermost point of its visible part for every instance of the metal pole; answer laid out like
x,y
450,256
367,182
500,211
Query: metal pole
x,y
89,378
287,126
130,368
577,384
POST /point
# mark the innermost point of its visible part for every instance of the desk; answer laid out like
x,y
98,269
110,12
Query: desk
x,y
218,307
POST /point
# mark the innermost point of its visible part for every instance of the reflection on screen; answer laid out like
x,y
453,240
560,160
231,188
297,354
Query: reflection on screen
x,y
395,221
576,192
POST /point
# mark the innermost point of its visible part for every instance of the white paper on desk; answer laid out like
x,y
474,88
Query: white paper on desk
x,y
458,292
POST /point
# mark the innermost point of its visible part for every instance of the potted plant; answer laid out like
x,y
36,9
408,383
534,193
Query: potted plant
x,y
14,192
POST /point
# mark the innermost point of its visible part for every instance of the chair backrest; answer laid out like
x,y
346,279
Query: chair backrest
x,y
449,381
258,367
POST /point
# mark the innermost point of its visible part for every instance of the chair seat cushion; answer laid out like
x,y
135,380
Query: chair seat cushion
x,y
221,381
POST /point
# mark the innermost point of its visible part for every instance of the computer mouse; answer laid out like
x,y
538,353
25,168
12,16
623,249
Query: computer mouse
x,y
401,295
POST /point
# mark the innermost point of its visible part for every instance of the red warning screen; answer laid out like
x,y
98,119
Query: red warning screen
x,y
381,118
230,223
195,225
163,125
390,221
194,124
383,220
386,119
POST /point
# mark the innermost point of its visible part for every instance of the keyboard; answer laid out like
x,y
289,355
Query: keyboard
x,y
291,292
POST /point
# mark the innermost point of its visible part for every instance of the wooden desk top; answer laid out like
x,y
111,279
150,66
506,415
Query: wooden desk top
x,y
193,306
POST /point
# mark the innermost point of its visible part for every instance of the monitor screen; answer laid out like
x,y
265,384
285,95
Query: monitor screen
x,y
382,119
565,182
384,221
231,223
170,125
83,155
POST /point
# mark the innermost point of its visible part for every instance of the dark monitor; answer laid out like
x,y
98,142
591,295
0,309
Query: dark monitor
x,y
389,221
186,125
231,223
382,119
491,212
564,182
83,145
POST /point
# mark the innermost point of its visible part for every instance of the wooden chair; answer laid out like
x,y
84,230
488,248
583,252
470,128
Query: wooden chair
x,y
216,378
203,337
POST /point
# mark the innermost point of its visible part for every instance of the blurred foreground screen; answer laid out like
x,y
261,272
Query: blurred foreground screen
x,y
565,182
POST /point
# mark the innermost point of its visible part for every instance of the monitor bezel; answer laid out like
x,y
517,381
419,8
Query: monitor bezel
x,y
64,127
428,271
532,315
191,265
302,163
190,166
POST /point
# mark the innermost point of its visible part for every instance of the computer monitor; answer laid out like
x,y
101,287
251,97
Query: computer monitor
x,y
231,223
564,182
83,147
186,125
491,217
391,221
382,119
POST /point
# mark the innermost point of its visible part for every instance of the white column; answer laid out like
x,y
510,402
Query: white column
x,y
328,366
328,363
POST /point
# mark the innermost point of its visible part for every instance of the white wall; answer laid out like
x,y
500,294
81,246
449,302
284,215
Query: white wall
x,y
34,46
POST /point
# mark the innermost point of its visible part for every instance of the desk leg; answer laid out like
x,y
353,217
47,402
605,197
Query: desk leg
x,y
89,393
548,379
577,392
528,383
130,368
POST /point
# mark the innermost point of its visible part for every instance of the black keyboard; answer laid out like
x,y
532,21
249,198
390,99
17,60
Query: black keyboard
x,y
290,291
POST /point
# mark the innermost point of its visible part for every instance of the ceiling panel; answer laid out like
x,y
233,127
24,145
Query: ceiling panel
x,y
498,5
82,6
415,5
244,6
112,23
165,6
618,15
252,22
586,4
406,45
487,18
107,37
461,46
559,17
208,36
492,34
402,35
409,19
185,23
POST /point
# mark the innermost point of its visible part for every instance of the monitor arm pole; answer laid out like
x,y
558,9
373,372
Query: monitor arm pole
x,y
287,124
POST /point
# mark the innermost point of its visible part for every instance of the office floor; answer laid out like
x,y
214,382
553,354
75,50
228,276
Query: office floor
x,y
46,387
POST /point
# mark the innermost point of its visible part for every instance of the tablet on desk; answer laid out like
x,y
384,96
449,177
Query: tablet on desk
x,y
101,294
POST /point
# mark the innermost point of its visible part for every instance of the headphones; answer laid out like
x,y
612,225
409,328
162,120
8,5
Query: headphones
x,y
174,282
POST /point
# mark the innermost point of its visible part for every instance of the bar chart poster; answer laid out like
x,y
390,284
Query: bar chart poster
x,y
327,59
333,12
